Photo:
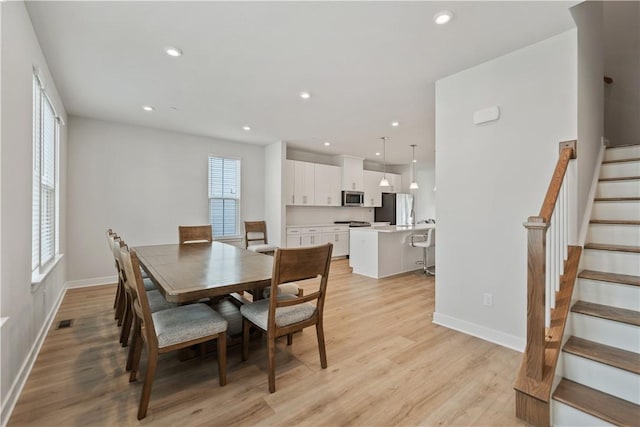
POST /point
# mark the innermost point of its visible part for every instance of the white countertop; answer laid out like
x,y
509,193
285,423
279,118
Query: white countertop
x,y
396,228
314,225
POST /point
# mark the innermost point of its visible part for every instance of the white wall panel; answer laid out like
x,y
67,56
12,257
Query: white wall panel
x,y
491,177
143,183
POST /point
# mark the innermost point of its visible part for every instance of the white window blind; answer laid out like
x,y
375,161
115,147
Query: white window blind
x,y
44,200
224,196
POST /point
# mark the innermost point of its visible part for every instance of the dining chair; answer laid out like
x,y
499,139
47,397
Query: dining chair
x,y
283,314
195,233
119,301
426,242
156,300
254,233
255,237
110,236
169,330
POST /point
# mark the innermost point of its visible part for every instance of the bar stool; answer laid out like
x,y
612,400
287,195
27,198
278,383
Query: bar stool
x,y
426,242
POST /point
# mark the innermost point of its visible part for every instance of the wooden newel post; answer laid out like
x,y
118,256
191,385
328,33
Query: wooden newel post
x,y
536,242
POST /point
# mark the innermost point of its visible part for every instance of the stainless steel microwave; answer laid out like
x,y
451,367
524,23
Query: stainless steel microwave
x,y
353,198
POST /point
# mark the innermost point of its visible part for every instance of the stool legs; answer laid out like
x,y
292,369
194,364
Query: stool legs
x,y
426,258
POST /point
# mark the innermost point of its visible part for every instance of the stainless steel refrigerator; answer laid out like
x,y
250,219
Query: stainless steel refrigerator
x,y
397,208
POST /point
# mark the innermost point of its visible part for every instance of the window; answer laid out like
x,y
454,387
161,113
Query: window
x,y
224,196
44,215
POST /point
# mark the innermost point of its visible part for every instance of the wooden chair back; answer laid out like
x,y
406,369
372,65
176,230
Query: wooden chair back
x,y
133,281
119,301
293,265
255,232
195,233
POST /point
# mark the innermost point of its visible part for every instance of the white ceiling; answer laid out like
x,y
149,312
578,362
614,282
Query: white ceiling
x,y
366,64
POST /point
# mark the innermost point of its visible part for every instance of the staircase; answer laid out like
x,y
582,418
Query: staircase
x,y
601,360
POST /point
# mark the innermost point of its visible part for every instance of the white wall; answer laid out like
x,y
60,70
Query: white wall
x,y
622,63
424,196
142,183
274,209
491,177
589,20
28,310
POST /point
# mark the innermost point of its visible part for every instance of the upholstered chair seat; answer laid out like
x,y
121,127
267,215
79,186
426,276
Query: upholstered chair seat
x,y
258,312
157,301
262,248
149,285
187,323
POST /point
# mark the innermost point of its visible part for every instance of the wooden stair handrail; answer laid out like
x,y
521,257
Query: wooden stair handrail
x,y
567,152
533,384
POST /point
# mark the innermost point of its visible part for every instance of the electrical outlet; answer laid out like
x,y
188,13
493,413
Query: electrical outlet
x,y
488,300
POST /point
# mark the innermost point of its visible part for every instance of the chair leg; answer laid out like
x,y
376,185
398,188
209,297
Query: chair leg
x,y
134,342
289,339
222,358
137,351
245,339
126,323
120,306
115,300
321,348
271,350
148,382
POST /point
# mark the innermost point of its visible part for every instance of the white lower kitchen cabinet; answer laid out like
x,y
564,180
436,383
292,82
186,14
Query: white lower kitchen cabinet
x,y
339,236
298,237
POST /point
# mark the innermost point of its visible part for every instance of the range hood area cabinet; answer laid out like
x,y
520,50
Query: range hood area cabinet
x,y
352,173
373,191
311,184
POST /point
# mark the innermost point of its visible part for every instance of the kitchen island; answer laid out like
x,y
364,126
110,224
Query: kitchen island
x,y
385,251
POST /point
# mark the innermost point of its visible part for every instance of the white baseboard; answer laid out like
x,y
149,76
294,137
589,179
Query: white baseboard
x,y
18,384
473,329
106,280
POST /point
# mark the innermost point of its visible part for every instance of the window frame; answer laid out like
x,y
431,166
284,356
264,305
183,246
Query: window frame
x,y
42,186
238,199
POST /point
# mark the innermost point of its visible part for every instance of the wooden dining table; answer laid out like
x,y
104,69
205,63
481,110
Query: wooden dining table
x,y
188,272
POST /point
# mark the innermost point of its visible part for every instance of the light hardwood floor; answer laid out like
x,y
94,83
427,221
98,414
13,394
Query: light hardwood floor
x,y
388,365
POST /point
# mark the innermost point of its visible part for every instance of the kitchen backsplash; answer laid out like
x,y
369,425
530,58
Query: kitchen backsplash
x,y
303,215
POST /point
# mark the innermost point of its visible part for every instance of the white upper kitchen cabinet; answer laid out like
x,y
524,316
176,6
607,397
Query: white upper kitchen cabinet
x,y
372,189
300,183
352,177
289,179
327,185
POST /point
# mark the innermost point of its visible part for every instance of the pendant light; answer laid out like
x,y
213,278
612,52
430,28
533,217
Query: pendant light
x,y
414,183
384,182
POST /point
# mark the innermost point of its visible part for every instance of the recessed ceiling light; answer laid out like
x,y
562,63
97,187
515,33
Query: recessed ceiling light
x,y
395,124
173,51
377,154
147,108
327,143
443,17
415,161
305,95
247,128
